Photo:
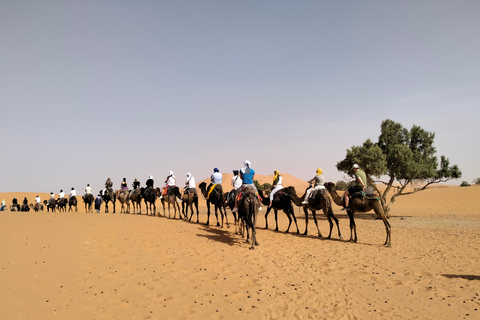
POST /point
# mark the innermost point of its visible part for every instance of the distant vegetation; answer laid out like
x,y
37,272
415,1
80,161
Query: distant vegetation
x,y
465,184
341,185
262,187
476,181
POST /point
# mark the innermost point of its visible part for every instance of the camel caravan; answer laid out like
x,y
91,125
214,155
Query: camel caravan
x,y
244,201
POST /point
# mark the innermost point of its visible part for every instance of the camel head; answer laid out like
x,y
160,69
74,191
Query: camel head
x,y
290,190
329,185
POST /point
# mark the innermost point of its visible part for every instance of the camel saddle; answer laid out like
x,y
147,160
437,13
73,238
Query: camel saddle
x,y
360,194
240,194
317,193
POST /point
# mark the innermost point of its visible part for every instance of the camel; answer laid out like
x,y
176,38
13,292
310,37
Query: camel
x,y
171,198
150,195
62,204
109,196
124,198
363,204
188,200
322,202
216,197
281,201
136,198
37,207
248,206
72,202
88,200
51,204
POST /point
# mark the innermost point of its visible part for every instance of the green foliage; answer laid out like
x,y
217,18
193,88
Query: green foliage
x,y
341,185
465,184
403,156
262,187
266,186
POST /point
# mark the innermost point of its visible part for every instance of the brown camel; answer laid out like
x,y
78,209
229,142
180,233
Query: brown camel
x,y
51,204
150,196
37,207
62,204
88,200
136,198
281,201
124,197
189,200
171,198
109,196
248,206
321,202
216,197
363,204
72,202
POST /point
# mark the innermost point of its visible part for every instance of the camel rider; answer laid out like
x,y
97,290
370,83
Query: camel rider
x,y
135,185
190,186
215,178
150,182
73,193
37,199
98,202
236,184
246,174
171,181
108,183
61,194
277,185
318,182
124,186
52,195
88,189
2,207
360,184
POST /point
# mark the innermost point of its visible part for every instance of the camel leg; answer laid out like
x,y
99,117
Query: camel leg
x,y
314,213
196,206
276,219
305,210
292,213
216,215
382,216
289,221
208,213
353,227
266,216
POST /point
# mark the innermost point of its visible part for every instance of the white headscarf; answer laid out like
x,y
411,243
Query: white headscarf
x,y
246,167
150,177
189,175
172,175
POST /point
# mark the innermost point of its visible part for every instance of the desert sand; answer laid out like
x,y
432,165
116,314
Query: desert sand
x,y
129,266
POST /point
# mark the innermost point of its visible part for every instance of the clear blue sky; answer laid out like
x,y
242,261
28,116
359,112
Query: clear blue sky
x,y
97,89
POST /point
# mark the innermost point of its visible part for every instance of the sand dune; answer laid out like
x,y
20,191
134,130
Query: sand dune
x,y
126,266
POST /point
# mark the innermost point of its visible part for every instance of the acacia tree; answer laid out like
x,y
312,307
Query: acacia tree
x,y
405,157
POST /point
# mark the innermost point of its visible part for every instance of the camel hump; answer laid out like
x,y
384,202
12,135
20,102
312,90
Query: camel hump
x,y
249,189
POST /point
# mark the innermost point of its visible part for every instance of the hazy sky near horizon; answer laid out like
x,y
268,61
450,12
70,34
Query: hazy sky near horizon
x,y
97,89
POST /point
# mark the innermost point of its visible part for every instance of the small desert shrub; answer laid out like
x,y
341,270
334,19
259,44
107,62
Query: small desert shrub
x,y
465,184
341,185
